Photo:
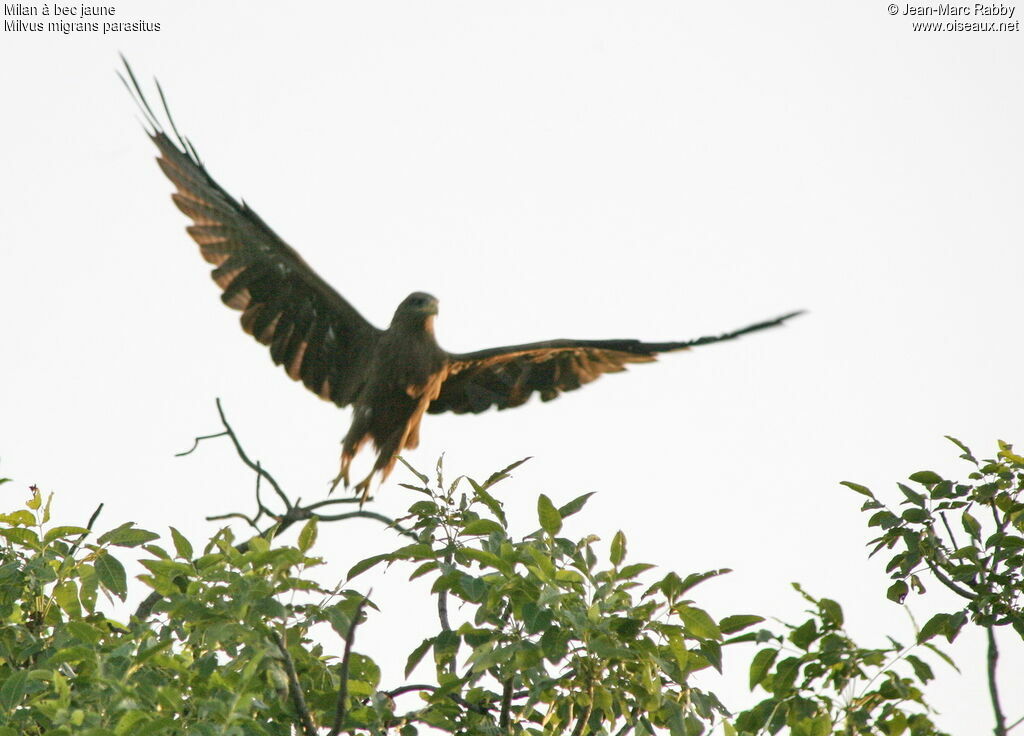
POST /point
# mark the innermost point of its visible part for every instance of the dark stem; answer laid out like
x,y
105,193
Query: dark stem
x,y
585,715
365,515
339,714
245,458
293,511
949,531
993,688
294,688
506,705
442,610
78,542
962,592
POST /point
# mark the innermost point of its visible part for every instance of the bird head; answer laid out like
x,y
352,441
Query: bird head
x,y
418,308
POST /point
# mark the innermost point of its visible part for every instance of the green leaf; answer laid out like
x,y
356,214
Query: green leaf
x,y
111,574
912,496
307,537
831,611
805,634
550,519
921,669
481,527
63,532
732,624
760,665
493,504
926,477
20,535
966,450
574,505
446,646
935,625
785,675
971,525
863,490
897,591
618,552
21,517
181,545
127,535
13,689
66,595
364,565
631,571
916,516
423,479
698,623
486,559
695,579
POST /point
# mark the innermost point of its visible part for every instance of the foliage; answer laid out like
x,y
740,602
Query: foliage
x,y
553,642
820,682
983,563
554,635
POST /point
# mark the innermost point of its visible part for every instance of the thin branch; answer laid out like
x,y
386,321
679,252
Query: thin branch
x,y
339,714
331,501
235,515
197,440
993,688
1015,724
410,689
506,705
585,715
245,458
298,700
88,527
945,523
293,511
480,708
366,515
962,592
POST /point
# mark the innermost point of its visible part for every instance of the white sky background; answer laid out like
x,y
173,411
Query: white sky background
x,y
660,170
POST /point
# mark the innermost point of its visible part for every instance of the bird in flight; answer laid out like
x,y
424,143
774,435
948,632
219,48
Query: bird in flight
x,y
390,377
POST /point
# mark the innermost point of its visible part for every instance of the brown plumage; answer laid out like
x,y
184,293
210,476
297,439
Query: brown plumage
x,y
391,377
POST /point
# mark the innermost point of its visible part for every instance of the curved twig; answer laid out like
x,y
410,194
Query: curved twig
x,y
298,699
962,592
365,515
197,440
256,467
339,714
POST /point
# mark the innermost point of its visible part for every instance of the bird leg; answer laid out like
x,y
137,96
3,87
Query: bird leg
x,y
348,453
363,488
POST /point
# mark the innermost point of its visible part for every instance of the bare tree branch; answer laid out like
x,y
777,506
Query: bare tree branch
x,y
293,512
197,440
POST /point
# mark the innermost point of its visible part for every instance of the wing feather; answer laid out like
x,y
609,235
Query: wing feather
x,y
506,377
314,333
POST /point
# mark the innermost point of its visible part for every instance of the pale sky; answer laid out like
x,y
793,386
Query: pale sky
x,y
659,170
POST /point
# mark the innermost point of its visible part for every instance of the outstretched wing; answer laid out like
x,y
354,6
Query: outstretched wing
x,y
311,330
507,377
